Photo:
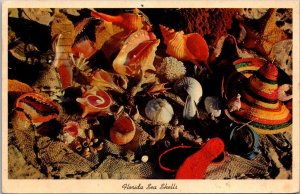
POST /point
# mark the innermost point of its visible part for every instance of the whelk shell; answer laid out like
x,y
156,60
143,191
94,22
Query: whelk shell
x,y
95,101
123,130
185,47
159,111
137,54
194,90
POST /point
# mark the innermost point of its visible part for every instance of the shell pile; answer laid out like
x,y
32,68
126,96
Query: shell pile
x,y
114,87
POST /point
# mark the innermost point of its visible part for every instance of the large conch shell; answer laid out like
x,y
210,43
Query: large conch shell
x,y
185,47
95,101
137,54
103,80
128,21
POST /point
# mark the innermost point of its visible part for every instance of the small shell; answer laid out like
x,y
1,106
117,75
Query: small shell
x,y
95,101
123,130
254,13
186,47
213,106
171,69
159,111
234,104
283,92
137,54
194,90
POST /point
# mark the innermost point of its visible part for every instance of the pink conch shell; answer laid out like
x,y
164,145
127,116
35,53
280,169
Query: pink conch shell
x,y
137,54
123,130
102,79
128,21
185,47
95,101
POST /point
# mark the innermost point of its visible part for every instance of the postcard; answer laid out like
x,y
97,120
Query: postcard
x,y
150,96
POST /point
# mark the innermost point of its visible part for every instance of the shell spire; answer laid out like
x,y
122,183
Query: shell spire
x,y
185,47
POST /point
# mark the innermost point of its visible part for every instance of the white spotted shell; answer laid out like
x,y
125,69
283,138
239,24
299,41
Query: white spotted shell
x,y
159,111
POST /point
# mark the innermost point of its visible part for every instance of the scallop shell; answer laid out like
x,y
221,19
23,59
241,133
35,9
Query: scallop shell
x,y
194,90
95,101
137,54
123,130
159,111
186,47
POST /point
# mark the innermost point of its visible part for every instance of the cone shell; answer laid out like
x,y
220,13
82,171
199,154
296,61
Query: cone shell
x,y
137,54
186,47
123,130
95,101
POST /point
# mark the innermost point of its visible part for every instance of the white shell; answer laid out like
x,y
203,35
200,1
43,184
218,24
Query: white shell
x,y
194,90
159,111
191,86
213,106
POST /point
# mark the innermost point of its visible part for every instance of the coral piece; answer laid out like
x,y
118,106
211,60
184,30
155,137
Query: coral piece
x,y
137,54
95,101
186,47
171,69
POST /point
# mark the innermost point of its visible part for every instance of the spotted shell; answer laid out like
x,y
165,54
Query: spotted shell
x,y
185,47
159,111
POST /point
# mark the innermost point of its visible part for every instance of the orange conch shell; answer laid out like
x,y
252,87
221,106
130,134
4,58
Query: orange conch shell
x,y
128,21
185,47
103,79
137,54
95,101
123,130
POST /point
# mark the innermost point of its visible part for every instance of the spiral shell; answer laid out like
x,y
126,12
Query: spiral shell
x,y
186,47
194,90
159,111
95,101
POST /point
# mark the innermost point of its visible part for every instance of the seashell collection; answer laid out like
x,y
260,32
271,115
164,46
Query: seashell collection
x,y
113,87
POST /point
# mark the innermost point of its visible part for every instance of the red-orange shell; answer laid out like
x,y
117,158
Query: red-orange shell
x,y
123,130
186,47
95,101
